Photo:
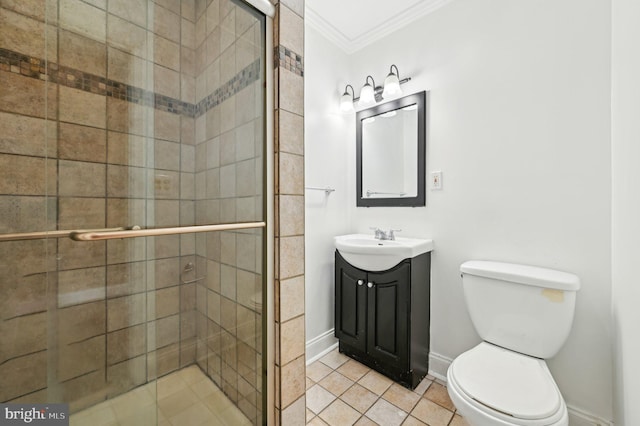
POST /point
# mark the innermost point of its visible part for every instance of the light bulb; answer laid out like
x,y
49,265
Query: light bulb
x,y
391,86
367,96
346,102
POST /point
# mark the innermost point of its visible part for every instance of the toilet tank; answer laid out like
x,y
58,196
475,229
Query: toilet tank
x,y
523,308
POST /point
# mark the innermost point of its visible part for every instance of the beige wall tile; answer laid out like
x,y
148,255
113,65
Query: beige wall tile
x,y
23,375
188,38
24,35
125,212
81,322
166,82
21,295
291,298
292,340
126,311
23,335
167,155
126,68
293,378
167,125
168,359
163,246
80,358
131,10
81,179
27,213
31,8
77,106
291,257
126,343
122,251
126,278
26,135
127,149
79,286
27,175
291,174
166,53
84,391
290,30
126,182
82,143
83,53
290,132
167,272
167,213
82,18
127,117
291,212
167,331
166,23
188,61
24,95
167,302
291,91
188,10
296,6
73,254
127,375
127,36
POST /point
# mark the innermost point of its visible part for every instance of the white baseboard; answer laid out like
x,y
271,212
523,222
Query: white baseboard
x,y
319,346
579,417
439,364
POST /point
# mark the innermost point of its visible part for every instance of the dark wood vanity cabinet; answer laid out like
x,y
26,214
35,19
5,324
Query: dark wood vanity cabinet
x,y
382,318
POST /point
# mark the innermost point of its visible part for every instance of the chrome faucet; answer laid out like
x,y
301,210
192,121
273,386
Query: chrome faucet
x,y
382,235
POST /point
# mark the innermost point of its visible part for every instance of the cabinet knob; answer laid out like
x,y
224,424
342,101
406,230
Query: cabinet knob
x,y
360,282
369,284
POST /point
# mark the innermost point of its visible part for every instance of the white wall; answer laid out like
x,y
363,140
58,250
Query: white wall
x,y
519,124
326,164
626,209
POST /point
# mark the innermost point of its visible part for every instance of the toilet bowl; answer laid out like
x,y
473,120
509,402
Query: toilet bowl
x,y
491,386
524,315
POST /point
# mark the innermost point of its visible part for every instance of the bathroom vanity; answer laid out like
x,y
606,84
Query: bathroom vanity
x,y
382,316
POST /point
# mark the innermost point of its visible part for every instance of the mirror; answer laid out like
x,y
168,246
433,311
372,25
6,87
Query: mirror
x,y
390,153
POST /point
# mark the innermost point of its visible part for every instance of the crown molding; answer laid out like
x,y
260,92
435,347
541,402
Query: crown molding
x,y
392,24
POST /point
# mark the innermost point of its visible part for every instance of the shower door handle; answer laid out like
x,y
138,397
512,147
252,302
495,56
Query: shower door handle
x,y
157,232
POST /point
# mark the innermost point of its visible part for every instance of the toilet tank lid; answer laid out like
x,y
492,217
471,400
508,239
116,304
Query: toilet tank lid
x,y
522,274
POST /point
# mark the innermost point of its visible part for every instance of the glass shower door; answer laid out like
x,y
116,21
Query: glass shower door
x,y
118,115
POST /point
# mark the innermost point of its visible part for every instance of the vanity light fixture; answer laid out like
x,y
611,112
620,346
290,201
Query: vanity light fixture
x,y
367,93
392,83
370,93
346,100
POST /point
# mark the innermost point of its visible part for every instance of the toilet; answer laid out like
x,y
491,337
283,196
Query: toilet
x,y
523,315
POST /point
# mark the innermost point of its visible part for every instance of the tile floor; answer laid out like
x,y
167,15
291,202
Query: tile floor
x,y
341,391
184,398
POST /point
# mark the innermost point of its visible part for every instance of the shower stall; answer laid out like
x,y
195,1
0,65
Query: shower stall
x,y
133,209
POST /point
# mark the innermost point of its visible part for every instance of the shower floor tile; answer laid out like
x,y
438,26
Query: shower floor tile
x,y
184,398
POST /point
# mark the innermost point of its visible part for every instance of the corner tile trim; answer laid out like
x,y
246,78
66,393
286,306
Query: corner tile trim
x,y
37,68
289,60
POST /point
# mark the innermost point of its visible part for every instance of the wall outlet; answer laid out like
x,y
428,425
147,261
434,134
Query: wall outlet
x,y
436,180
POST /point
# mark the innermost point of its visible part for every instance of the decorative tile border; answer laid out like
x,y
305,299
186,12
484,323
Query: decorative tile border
x,y
248,75
288,59
37,68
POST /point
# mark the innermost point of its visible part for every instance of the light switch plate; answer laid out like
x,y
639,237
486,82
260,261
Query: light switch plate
x,y
436,180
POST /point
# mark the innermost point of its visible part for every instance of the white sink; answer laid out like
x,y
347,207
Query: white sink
x,y
366,252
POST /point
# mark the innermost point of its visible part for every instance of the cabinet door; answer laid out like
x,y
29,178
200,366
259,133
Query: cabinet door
x,y
351,304
388,315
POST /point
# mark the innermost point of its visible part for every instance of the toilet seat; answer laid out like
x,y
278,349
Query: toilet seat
x,y
508,387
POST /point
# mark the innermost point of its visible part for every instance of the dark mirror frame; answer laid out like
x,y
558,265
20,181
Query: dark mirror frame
x,y
418,201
